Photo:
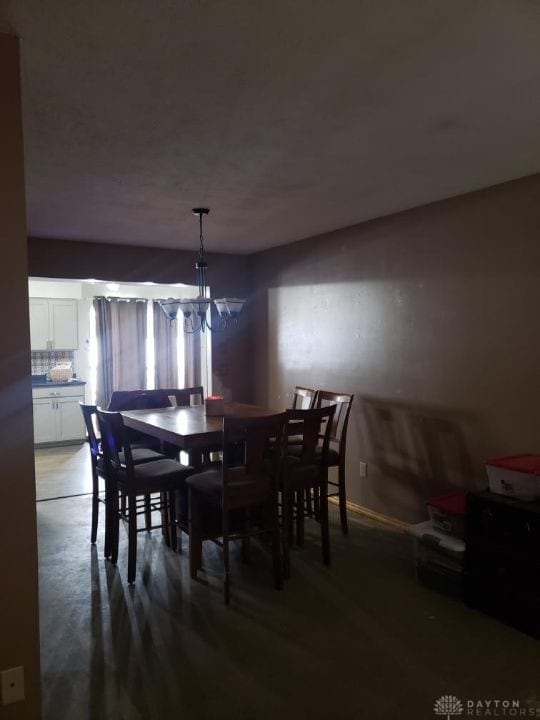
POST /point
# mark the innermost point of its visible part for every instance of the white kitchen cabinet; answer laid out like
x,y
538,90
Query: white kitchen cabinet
x,y
44,421
57,414
70,419
39,324
53,324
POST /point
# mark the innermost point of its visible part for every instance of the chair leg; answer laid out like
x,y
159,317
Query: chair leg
x,y
95,502
276,545
148,512
309,504
178,538
342,499
165,527
109,500
115,528
172,521
286,499
325,531
289,518
316,505
195,542
226,563
300,518
132,541
123,503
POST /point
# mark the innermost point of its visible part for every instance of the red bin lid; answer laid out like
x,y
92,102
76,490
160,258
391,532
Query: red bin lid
x,y
452,503
518,463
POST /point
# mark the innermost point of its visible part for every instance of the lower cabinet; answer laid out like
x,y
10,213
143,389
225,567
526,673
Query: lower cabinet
x,y
57,414
45,421
502,559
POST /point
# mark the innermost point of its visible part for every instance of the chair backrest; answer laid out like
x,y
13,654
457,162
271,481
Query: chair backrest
x,y
313,425
149,399
304,398
261,456
342,403
138,400
183,395
89,413
113,440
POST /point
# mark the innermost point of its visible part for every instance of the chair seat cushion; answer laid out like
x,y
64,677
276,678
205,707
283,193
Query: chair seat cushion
x,y
332,457
139,455
159,475
142,455
243,489
300,475
291,440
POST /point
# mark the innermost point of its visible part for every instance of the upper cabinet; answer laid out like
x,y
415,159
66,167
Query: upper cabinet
x,y
53,324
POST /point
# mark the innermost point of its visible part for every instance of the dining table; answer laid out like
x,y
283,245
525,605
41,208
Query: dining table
x,y
189,428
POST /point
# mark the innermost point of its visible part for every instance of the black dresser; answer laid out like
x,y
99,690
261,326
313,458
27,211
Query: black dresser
x,y
502,559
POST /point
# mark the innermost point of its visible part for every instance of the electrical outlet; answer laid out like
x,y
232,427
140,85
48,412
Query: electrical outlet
x,y
363,469
12,683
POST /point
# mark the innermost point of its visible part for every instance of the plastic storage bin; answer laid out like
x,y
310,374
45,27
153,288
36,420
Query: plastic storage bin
x,y
516,476
438,559
447,513
431,545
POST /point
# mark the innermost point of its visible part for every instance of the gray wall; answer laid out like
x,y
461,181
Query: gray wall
x,y
19,631
430,318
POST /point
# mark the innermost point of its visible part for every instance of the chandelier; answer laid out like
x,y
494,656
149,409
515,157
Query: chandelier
x,y
195,311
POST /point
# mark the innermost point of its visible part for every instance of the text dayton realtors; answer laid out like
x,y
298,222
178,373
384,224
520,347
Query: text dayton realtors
x,y
500,708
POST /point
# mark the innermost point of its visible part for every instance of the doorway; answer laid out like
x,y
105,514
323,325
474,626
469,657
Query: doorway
x,y
66,368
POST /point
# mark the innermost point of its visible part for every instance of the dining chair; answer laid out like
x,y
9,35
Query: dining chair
x,y
338,445
163,476
305,470
139,454
244,496
186,396
137,400
304,398
122,400
159,398
96,457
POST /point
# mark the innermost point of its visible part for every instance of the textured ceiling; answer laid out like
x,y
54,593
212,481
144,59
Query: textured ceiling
x,y
288,118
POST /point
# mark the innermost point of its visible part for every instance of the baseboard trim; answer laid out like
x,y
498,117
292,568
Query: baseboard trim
x,y
399,525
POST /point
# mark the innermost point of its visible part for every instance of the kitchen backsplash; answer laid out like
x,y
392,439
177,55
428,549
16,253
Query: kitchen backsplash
x,y
44,360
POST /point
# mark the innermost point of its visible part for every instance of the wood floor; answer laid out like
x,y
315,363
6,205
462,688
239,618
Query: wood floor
x,y
360,639
62,471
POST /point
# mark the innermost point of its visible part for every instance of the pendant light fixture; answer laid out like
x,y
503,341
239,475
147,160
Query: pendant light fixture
x,y
195,311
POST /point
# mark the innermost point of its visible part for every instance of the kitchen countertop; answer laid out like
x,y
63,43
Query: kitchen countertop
x,y
50,384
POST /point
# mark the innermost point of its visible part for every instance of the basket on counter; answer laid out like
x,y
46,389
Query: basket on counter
x,y
61,372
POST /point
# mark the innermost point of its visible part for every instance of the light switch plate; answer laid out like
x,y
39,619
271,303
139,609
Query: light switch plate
x,y
363,469
12,684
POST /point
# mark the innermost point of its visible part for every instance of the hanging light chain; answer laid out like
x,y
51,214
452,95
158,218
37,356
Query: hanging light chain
x,y
201,237
201,263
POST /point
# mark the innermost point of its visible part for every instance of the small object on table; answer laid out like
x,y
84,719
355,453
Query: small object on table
x,y
214,405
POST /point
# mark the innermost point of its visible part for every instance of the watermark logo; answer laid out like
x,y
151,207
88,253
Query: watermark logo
x,y
448,705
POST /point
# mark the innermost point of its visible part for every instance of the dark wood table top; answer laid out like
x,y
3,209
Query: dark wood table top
x,y
188,427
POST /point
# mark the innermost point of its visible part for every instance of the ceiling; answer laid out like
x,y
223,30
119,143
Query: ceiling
x,y
288,118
